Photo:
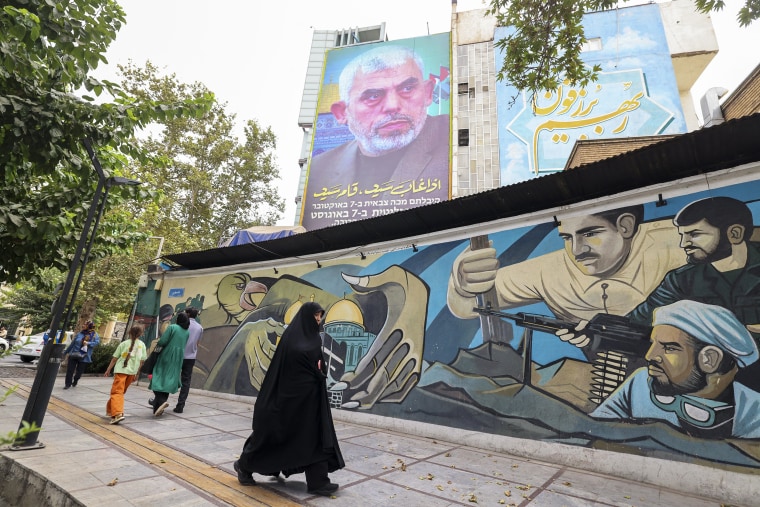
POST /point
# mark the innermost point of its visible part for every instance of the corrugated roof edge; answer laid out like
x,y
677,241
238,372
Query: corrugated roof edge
x,y
703,151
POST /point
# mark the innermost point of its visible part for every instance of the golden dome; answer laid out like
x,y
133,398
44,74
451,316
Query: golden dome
x,y
345,311
292,311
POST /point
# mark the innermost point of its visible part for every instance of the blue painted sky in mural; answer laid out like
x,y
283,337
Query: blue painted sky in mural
x,y
635,95
616,105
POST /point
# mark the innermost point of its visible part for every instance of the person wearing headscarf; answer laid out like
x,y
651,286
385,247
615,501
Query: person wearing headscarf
x,y
697,350
293,430
79,354
166,377
126,362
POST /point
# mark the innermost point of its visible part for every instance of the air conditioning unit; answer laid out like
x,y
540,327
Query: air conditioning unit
x,y
143,281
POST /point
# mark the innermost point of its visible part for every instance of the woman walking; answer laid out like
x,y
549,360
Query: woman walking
x,y
79,354
168,368
293,430
127,360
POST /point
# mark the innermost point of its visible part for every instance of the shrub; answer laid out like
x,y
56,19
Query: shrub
x,y
13,437
101,357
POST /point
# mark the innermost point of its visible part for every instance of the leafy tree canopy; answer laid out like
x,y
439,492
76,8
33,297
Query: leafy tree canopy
x,y
545,48
214,180
48,50
33,301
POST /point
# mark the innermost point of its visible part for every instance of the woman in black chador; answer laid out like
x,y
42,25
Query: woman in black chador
x,y
293,429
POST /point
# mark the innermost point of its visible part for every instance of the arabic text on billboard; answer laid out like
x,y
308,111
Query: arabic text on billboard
x,y
381,135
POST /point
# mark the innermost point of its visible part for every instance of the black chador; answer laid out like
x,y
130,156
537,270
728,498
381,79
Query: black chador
x,y
293,430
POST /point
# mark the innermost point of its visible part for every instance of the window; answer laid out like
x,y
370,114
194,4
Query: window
x,y
592,44
462,88
464,137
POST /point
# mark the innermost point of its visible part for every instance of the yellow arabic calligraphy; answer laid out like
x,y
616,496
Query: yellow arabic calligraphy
x,y
625,107
567,102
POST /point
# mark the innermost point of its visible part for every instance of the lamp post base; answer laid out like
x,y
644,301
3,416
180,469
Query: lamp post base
x,y
36,445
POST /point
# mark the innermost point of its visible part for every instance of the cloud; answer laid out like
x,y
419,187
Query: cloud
x,y
623,63
516,169
630,40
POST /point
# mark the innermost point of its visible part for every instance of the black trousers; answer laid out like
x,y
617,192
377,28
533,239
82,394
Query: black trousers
x,y
74,370
159,398
186,376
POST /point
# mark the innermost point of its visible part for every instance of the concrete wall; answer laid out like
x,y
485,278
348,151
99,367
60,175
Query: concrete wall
x,y
22,487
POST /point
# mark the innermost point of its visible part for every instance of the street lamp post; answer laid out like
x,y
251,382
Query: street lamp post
x,y
52,352
113,181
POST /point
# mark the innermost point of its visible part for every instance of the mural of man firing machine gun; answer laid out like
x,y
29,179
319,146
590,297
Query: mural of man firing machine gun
x,y
610,263
617,344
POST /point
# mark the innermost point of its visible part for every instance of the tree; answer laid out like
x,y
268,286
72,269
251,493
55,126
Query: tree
x,y
47,51
545,48
111,282
33,300
212,183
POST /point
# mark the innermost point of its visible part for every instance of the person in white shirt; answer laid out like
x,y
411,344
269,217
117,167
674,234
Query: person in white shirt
x,y
191,351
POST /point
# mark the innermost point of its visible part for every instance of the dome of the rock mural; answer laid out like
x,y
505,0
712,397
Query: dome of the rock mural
x,y
292,311
345,311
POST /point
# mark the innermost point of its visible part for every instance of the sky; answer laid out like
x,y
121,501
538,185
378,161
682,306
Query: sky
x,y
253,55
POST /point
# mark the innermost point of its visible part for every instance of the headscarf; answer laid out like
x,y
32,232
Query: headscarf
x,y
710,324
304,322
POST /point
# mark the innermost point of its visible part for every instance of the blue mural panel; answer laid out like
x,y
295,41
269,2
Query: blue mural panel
x,y
635,95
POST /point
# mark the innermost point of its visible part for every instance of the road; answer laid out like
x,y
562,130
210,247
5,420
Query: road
x,y
12,367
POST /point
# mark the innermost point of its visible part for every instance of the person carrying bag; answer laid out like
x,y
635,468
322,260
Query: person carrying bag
x,y
79,354
167,367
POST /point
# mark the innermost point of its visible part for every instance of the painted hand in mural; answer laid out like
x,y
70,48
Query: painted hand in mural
x,y
392,365
473,273
575,336
259,348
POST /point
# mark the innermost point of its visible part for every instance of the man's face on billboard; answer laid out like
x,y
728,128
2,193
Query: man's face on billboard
x,y
597,246
386,110
703,243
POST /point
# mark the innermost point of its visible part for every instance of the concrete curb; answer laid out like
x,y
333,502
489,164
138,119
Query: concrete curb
x,y
23,487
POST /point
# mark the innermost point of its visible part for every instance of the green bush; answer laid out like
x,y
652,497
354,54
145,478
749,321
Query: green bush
x,y
101,357
12,437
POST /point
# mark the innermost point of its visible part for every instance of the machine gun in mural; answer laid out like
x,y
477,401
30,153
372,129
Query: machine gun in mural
x,y
618,345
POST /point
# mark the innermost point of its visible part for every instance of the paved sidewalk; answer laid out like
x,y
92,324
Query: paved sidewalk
x,y
186,459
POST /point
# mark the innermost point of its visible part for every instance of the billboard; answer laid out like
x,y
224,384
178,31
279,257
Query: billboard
x,y
381,133
635,95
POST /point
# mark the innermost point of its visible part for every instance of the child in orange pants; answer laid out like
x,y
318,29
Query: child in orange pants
x,y
126,363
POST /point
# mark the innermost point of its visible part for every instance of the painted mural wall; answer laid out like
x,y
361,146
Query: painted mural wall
x,y
635,95
562,348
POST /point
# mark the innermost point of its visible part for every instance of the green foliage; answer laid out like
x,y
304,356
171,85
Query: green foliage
x,y
33,299
47,52
746,15
545,48
201,182
111,281
26,428
101,356
212,182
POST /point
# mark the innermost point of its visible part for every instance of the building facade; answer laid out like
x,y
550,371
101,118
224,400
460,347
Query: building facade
x,y
491,141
